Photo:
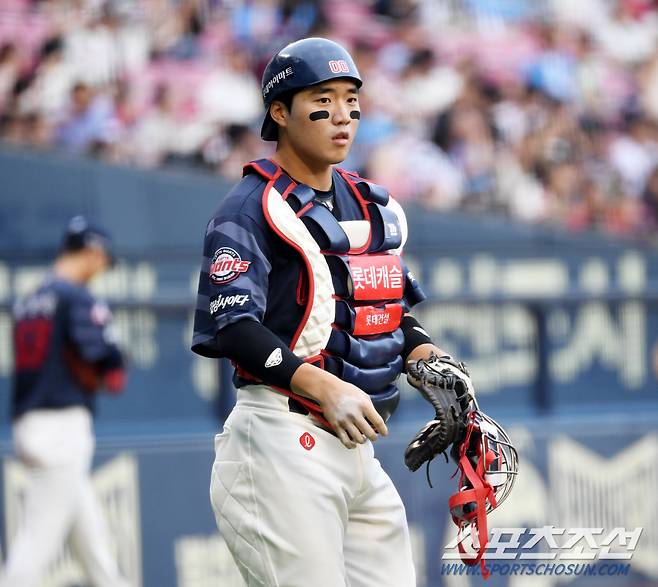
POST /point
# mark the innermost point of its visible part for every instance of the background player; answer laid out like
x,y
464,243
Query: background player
x,y
64,352
302,286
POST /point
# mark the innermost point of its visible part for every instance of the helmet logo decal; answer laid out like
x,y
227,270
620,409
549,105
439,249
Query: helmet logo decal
x,y
287,72
339,66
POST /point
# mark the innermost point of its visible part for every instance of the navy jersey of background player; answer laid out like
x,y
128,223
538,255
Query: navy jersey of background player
x,y
58,329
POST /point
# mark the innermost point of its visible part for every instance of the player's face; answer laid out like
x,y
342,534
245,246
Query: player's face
x,y
97,261
323,121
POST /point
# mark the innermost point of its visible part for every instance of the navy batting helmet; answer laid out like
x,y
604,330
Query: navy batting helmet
x,y
299,65
80,234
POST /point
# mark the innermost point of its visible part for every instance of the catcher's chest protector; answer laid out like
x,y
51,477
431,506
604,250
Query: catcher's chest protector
x,y
357,287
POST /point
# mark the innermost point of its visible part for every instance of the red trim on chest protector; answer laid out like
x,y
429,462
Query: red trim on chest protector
x,y
299,249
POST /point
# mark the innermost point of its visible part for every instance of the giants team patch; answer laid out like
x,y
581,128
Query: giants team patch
x,y
226,266
307,441
235,298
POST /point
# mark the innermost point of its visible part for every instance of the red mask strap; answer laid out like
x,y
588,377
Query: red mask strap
x,y
479,494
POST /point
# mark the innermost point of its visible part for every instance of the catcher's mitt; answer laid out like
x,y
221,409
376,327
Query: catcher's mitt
x,y
447,386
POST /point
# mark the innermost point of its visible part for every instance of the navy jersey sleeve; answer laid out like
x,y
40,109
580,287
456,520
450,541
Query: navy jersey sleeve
x,y
233,282
91,332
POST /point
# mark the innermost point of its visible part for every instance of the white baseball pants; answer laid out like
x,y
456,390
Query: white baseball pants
x,y
58,446
296,512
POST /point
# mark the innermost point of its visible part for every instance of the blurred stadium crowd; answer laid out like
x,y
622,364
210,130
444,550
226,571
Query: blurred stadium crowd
x,y
542,110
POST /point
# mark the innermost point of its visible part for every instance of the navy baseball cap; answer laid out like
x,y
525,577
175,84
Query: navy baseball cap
x,y
81,233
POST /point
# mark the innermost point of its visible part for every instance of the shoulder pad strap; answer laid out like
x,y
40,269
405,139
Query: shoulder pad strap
x,y
386,230
326,230
300,196
369,191
373,192
284,184
349,175
263,167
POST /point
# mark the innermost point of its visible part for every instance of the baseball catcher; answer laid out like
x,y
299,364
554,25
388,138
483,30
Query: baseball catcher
x,y
486,459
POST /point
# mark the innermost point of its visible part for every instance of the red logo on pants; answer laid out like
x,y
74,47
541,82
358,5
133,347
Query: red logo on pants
x,y
307,441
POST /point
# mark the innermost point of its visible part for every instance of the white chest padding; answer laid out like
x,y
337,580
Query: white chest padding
x,y
317,329
357,231
402,219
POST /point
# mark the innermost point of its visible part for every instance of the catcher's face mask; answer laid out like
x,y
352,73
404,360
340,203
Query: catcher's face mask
x,y
488,465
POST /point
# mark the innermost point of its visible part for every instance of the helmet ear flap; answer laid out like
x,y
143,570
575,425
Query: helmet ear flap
x,y
270,129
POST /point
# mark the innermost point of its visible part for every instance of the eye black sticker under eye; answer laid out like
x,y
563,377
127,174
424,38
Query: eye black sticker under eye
x,y
319,115
355,114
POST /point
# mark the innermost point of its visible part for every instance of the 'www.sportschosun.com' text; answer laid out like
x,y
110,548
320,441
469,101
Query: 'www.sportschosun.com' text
x,y
541,569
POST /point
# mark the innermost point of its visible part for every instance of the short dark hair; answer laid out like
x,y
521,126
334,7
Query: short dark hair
x,y
286,100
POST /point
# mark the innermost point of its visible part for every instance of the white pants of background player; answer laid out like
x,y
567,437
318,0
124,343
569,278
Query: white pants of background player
x,y
292,517
58,446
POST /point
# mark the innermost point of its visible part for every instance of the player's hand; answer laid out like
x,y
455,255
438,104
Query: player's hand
x,y
348,409
351,413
